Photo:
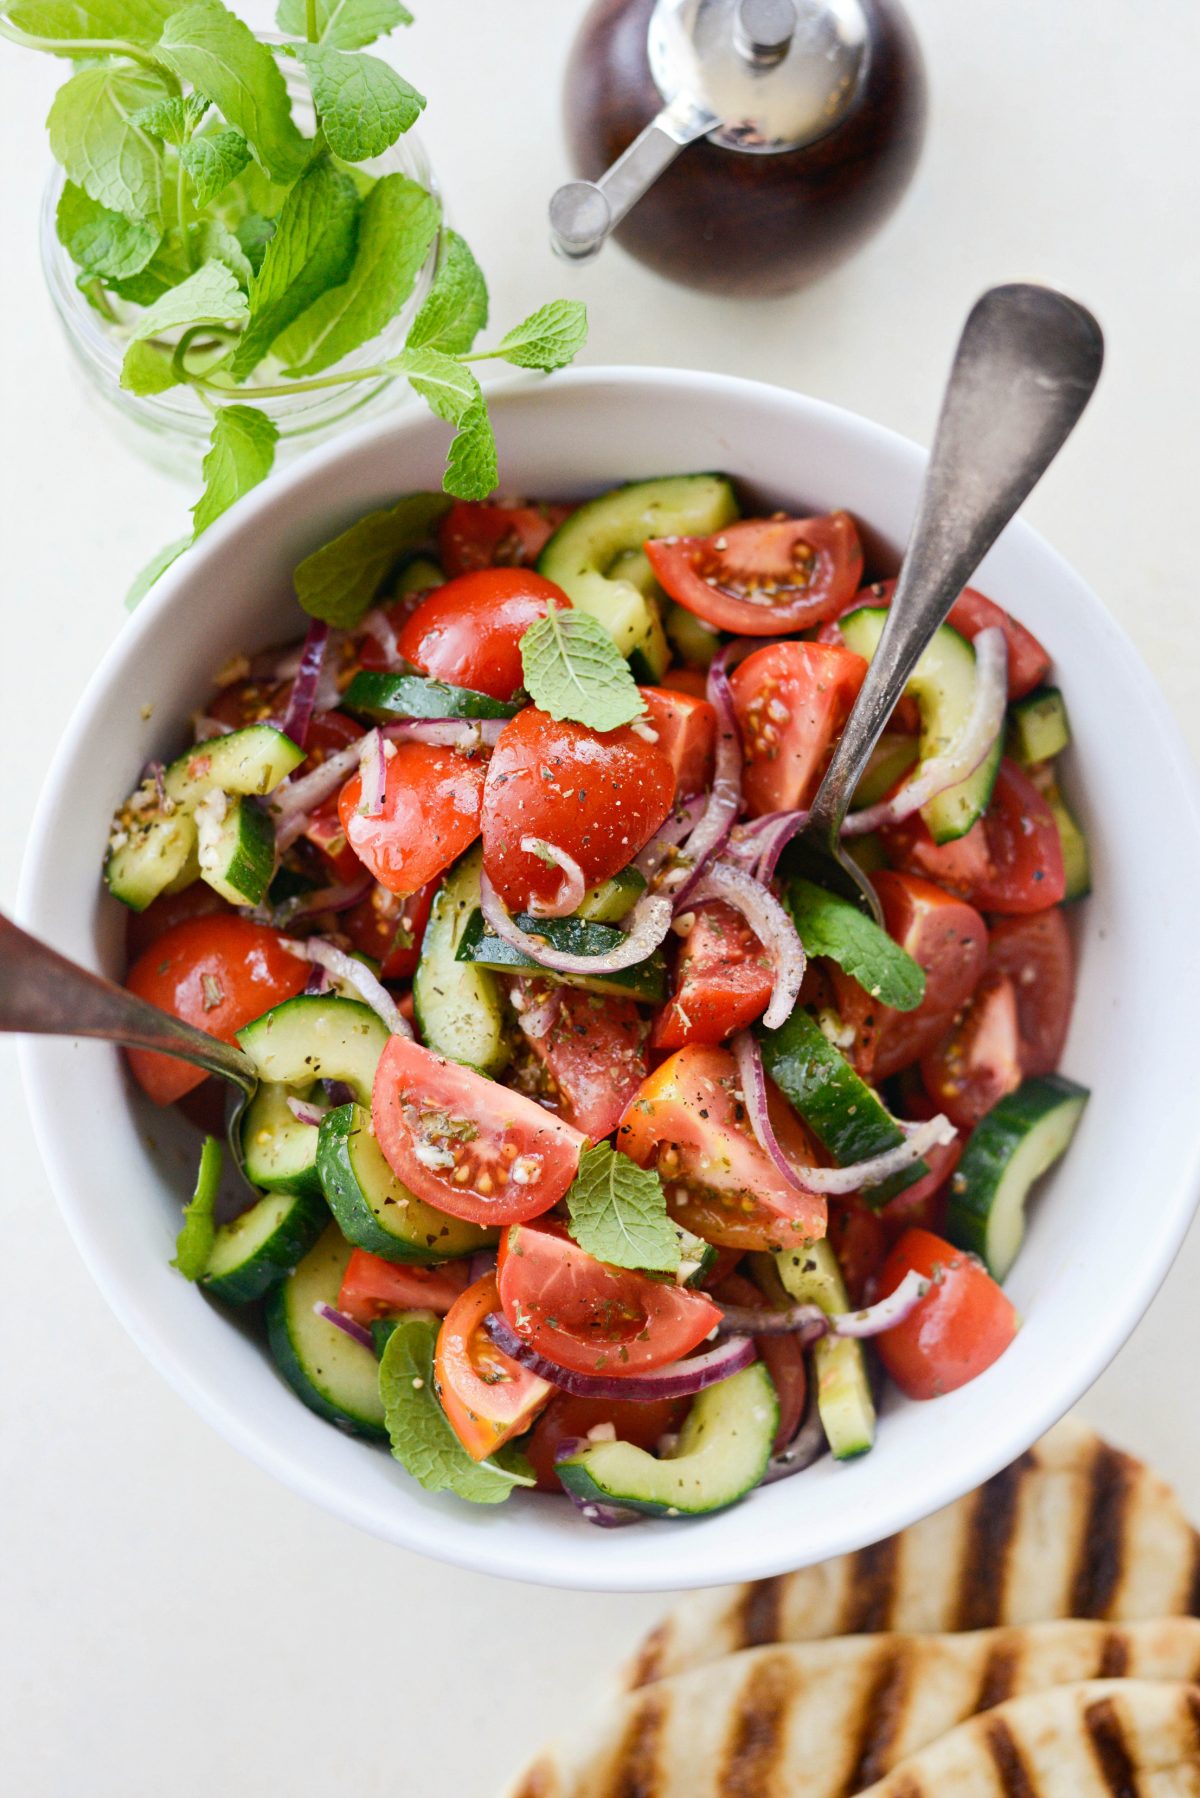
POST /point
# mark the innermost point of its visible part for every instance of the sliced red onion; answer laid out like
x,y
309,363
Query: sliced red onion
x,y
292,803
770,924
298,716
887,1313
355,973
810,1322
680,823
725,794
598,1511
340,897
960,760
572,886
347,1325
305,1112
482,1263
679,1379
318,982
536,1013
648,923
773,842
372,767
464,734
918,1138
806,1446
337,1091
378,625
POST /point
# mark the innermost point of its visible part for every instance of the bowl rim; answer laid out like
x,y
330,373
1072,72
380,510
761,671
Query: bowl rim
x,y
487,1551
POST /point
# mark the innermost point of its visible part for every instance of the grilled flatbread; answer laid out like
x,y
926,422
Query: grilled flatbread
x,y
826,1719
1118,1738
1074,1528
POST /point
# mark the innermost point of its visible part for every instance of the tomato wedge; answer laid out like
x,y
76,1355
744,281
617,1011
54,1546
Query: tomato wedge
x,y
643,1422
973,1067
958,1329
1028,661
469,631
587,1060
162,914
600,796
1010,861
218,973
390,927
792,700
589,1317
723,981
430,815
372,1287
461,1142
689,1121
764,576
686,729
476,534
487,1397
1037,955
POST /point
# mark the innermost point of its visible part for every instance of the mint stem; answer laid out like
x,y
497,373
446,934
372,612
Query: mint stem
x,y
87,46
310,21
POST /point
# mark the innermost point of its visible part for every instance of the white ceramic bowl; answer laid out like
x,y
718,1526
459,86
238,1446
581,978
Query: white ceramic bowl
x,y
1104,1229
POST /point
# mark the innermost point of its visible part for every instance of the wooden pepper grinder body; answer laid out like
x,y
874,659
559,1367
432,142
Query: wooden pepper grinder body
x,y
733,221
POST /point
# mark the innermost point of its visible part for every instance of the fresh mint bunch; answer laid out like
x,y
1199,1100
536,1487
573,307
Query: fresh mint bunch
x,y
239,256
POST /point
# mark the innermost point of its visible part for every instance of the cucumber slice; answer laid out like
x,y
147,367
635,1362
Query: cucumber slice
x,y
253,760
581,554
1039,728
335,1376
1077,859
646,980
148,855
812,1276
235,842
891,758
612,899
1014,1145
375,1211
279,1153
694,642
458,1006
943,685
842,1111
723,1450
317,1036
648,662
253,1252
420,575
385,697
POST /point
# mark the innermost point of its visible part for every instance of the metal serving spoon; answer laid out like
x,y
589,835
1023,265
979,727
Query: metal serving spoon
x,y
44,994
1025,367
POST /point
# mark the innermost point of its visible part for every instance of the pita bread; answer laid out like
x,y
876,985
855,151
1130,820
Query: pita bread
x,y
825,1719
1074,1528
1119,1738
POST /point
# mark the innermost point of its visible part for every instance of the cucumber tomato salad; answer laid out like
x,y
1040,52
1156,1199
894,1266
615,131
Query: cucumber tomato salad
x,y
595,1147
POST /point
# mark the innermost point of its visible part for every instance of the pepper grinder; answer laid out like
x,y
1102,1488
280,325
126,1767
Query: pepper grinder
x,y
742,146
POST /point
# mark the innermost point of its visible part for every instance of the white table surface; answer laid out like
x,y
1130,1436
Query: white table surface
x,y
171,1620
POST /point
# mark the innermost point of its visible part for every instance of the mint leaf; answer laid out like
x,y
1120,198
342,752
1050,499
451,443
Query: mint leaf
x,y
148,368
94,137
166,269
339,581
214,242
573,669
156,566
398,223
836,928
472,469
173,120
346,24
213,161
456,308
364,104
311,250
213,49
136,21
209,297
241,451
619,1213
193,1245
451,392
99,241
549,338
254,233
421,1437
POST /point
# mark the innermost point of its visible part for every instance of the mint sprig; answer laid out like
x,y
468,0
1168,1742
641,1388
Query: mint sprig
x,y
420,1434
838,930
574,670
619,1214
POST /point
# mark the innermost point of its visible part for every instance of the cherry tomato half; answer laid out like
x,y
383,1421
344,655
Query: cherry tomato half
x,y
792,700
764,576
162,914
469,631
588,1060
461,1142
979,1061
430,815
584,1315
1037,955
218,973
723,981
372,1287
1028,662
686,729
958,1329
476,534
1010,860
643,1422
487,1397
598,796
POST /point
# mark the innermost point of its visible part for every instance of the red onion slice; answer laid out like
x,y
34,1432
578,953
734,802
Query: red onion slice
x,y
648,923
378,625
930,1133
671,832
356,974
963,756
298,716
887,1313
536,1012
770,924
679,1379
305,1112
372,768
725,794
810,1322
572,886
291,803
482,1263
464,734
340,897
347,1325
806,1446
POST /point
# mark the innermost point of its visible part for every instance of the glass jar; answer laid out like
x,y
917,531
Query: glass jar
x,y
172,429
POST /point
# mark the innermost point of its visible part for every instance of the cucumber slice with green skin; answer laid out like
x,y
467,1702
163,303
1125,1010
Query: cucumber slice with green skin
x,y
1014,1145
250,761
148,856
645,981
335,1376
612,899
235,843
254,1252
649,660
279,1153
1077,859
580,555
723,1450
812,1276
384,698
943,685
693,641
1039,728
459,1007
843,1113
891,758
375,1211
317,1036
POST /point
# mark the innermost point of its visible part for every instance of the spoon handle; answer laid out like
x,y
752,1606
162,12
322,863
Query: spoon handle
x,y
44,994
1025,367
